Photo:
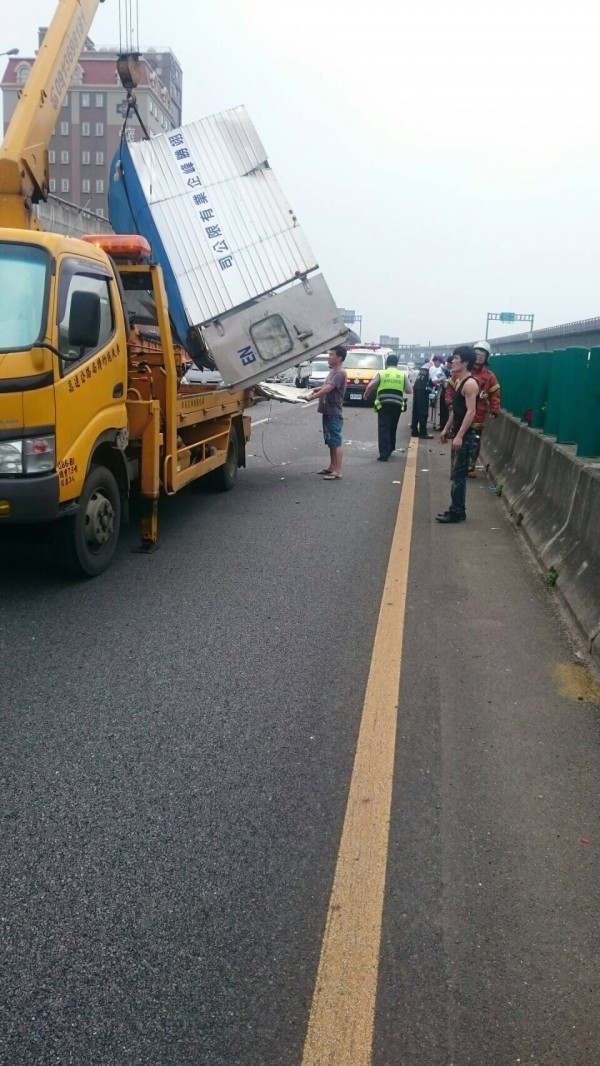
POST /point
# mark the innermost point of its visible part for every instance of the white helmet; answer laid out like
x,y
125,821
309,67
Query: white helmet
x,y
483,346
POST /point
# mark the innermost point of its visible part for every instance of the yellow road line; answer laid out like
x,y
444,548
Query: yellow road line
x,y
340,1027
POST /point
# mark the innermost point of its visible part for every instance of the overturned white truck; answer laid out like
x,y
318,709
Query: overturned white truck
x,y
245,294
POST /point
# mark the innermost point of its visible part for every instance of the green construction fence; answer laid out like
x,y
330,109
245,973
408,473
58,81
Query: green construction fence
x,y
555,392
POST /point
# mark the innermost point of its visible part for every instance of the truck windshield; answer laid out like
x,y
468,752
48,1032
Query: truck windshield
x,y
23,273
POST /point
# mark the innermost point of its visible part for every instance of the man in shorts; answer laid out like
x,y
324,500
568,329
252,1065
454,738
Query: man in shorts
x,y
331,407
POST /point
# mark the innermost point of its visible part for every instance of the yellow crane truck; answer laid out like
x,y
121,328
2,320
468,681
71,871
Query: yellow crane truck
x,y
90,404
91,399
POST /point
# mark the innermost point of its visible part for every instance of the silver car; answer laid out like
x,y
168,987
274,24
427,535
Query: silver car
x,y
195,376
319,370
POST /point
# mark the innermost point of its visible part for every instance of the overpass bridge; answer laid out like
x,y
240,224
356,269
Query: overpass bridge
x,y
582,334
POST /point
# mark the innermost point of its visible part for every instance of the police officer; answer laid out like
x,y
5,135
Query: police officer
x,y
392,385
420,406
445,403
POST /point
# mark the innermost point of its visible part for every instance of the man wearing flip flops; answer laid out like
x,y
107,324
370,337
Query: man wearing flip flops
x,y
331,407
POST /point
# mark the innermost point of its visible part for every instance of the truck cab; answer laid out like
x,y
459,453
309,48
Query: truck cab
x,y
92,401
63,372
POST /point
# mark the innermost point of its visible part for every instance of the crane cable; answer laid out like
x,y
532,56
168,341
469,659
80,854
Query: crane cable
x,y
127,44
129,34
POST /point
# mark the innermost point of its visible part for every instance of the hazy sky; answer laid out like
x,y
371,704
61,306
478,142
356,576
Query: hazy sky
x,y
443,158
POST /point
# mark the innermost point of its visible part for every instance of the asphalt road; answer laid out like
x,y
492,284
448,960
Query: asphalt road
x,y
177,743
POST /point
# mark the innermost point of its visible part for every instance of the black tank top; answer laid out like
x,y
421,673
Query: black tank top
x,y
459,404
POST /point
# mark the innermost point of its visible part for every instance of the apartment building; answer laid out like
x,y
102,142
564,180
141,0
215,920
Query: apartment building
x,y
88,132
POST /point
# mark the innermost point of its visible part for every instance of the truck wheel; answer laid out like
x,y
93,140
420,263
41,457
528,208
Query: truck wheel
x,y
89,539
224,477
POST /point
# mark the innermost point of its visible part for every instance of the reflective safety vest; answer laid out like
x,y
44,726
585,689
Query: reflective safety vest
x,y
390,388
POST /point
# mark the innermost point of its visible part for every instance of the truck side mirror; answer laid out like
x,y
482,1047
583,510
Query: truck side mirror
x,y
84,320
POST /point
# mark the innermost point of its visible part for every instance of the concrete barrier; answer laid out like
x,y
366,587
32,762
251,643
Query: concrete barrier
x,y
555,498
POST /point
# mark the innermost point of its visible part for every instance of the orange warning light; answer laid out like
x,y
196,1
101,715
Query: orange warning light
x,y
124,246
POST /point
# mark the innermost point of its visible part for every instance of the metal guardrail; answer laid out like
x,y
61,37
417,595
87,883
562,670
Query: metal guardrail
x,y
556,392
60,216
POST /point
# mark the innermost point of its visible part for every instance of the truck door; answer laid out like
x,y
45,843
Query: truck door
x,y
90,392
268,335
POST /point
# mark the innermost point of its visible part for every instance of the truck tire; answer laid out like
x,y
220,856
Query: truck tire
x,y
223,479
88,540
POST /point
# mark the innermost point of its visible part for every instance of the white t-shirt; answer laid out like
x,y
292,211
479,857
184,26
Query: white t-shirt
x,y
436,374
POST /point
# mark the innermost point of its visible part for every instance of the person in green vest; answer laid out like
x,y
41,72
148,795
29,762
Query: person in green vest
x,y
392,386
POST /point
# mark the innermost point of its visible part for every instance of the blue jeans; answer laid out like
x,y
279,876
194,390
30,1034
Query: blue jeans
x,y
459,464
332,431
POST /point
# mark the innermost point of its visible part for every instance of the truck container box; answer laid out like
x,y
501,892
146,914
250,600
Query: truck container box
x,y
240,275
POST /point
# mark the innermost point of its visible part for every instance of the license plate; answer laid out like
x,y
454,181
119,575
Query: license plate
x,y
356,395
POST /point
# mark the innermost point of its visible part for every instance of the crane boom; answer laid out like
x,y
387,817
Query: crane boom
x,y
24,151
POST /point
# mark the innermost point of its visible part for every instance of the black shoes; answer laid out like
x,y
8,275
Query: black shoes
x,y
446,517
425,436
382,459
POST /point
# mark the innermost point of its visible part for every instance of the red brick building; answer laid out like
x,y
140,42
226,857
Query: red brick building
x,y
88,132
